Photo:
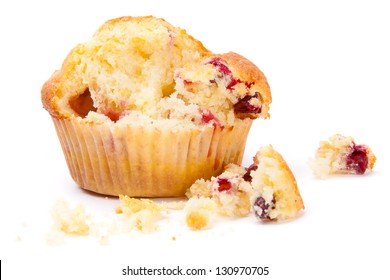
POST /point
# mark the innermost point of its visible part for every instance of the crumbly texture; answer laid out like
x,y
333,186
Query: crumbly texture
x,y
228,190
200,188
232,194
267,188
75,221
139,214
135,215
275,195
144,109
70,220
128,205
199,212
340,155
143,68
203,188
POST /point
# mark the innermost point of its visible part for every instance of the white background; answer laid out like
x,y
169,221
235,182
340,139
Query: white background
x,y
328,64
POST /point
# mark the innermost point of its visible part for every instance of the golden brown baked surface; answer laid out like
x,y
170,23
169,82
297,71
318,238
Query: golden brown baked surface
x,y
135,63
245,70
274,185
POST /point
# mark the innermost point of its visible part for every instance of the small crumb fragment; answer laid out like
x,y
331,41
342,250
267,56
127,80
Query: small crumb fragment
x,y
199,212
129,205
199,189
139,214
70,220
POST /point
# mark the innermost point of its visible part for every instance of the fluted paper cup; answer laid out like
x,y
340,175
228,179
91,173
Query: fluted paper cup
x,y
147,161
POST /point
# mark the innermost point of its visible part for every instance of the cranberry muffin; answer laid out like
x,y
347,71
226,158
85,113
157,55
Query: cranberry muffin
x,y
144,109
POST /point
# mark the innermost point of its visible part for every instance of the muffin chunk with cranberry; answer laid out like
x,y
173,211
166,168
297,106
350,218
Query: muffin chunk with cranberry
x,y
267,188
341,155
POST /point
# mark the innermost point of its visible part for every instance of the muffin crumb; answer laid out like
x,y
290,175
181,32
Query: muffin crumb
x,y
70,220
199,212
340,155
139,214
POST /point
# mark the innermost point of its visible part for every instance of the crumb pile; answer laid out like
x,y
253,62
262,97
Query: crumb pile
x,y
132,214
267,188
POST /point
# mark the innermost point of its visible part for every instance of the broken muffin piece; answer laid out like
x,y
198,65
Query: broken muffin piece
x,y
267,187
275,195
229,191
340,155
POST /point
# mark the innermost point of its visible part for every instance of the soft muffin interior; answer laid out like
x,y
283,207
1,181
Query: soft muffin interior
x,y
147,67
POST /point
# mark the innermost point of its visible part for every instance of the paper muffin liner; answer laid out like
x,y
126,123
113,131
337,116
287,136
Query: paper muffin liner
x,y
147,161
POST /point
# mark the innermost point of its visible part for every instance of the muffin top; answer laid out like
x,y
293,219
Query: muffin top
x,y
144,70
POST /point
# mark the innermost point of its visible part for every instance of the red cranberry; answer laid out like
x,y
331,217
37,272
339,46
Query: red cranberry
x,y
225,71
208,117
220,65
262,208
249,84
178,75
243,105
224,184
357,159
232,83
172,36
187,82
247,176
